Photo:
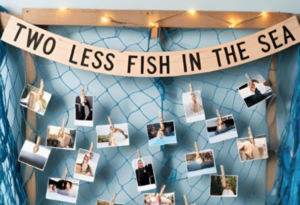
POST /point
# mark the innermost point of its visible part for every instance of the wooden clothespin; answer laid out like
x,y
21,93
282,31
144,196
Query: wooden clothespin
x,y
197,150
109,120
162,190
250,133
82,92
138,154
112,199
162,126
247,76
42,86
185,200
65,174
36,147
223,176
218,113
91,149
191,87
154,30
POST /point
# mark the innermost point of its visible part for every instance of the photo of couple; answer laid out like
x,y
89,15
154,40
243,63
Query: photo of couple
x,y
221,128
61,138
193,106
112,135
84,110
161,134
223,186
155,199
253,148
200,163
144,173
62,190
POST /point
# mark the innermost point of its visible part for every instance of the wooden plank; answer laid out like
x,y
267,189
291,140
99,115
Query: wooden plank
x,y
5,17
143,18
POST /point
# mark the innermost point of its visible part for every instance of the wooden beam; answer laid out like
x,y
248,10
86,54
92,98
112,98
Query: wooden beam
x,y
143,18
5,17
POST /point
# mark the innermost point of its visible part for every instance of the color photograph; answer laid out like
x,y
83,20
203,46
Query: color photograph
x,y
154,199
101,202
193,106
84,111
253,148
35,99
144,172
37,160
61,138
112,135
63,190
86,165
199,164
220,129
224,187
255,91
161,135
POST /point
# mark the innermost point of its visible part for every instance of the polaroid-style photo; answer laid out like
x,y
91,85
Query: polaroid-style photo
x,y
84,111
228,189
255,91
193,106
112,135
253,148
86,165
166,199
144,172
63,190
35,99
220,129
101,202
161,136
61,138
37,160
200,165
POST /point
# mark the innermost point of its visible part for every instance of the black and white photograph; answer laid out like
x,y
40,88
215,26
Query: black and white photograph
x,y
255,91
65,190
35,99
224,186
221,128
161,135
86,165
193,106
37,160
200,164
144,172
102,202
84,110
253,148
61,138
155,199
113,135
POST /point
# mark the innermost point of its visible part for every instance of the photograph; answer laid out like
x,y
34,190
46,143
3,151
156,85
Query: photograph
x,y
84,110
161,136
112,135
193,106
255,91
144,172
65,190
101,202
204,163
154,199
35,99
38,159
253,148
229,187
61,138
220,129
86,165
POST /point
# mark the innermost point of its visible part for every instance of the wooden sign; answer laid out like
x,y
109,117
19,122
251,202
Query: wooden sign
x,y
152,64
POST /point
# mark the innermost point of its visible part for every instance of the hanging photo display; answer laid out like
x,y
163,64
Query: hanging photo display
x,y
224,186
161,133
221,128
65,190
144,172
112,135
200,163
193,106
155,199
61,138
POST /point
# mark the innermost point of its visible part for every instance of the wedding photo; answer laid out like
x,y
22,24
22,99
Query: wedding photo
x,y
84,110
224,187
37,160
255,91
144,172
161,135
35,99
101,202
204,163
193,106
61,138
220,129
86,165
112,135
253,148
154,199
63,190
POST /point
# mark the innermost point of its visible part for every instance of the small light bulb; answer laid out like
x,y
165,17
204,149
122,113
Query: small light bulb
x,y
152,24
264,14
105,19
192,12
232,25
62,9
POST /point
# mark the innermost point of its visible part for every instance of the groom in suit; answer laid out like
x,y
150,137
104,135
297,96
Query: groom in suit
x,y
144,174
